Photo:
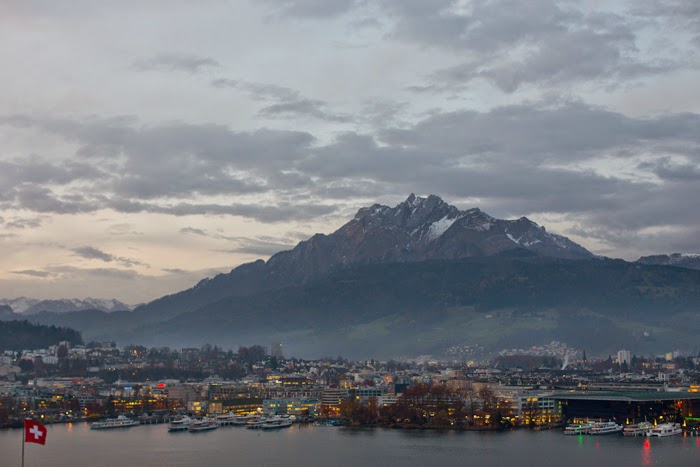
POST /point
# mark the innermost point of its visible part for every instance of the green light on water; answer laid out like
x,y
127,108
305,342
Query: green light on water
x,y
580,440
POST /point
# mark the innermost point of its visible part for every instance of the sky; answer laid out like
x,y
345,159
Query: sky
x,y
149,144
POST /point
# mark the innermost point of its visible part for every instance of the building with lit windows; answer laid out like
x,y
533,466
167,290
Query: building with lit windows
x,y
292,406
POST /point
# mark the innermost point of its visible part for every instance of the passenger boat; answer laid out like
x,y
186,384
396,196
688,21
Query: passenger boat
x,y
245,419
204,424
119,422
637,429
605,428
666,429
575,429
180,424
275,424
226,417
579,428
268,423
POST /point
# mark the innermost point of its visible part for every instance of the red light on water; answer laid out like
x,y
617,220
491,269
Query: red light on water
x,y
646,452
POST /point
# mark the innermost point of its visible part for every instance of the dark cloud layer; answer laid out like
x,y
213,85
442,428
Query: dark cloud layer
x,y
518,159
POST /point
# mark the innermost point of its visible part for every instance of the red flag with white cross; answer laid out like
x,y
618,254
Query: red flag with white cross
x,y
34,432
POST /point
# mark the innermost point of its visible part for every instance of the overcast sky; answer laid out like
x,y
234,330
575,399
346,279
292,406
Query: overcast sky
x,y
148,144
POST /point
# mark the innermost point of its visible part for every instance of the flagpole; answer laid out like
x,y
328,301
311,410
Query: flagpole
x,y
24,429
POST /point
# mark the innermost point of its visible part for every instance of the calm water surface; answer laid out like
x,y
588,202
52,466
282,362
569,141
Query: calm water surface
x,y
152,445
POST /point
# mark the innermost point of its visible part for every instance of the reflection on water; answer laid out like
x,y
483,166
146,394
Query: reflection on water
x,y
76,445
646,452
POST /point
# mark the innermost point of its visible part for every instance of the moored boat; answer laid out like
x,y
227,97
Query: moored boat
x,y
605,428
666,429
637,429
575,429
245,419
204,424
180,424
119,422
275,424
579,428
267,423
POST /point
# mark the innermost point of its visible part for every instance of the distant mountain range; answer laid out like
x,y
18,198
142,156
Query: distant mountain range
x,y
28,306
681,260
414,279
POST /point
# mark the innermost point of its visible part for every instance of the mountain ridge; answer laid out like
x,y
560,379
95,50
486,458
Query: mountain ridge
x,y
27,306
681,260
416,229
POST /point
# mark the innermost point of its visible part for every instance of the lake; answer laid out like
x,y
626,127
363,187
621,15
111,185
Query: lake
x,y
77,445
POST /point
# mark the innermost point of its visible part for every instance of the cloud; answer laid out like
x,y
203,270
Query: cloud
x,y
512,44
192,230
22,223
260,246
156,168
175,270
110,273
33,273
189,63
288,102
122,229
311,8
89,252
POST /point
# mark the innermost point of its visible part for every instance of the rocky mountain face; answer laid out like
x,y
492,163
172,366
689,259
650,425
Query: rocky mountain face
x,y
29,306
681,260
417,229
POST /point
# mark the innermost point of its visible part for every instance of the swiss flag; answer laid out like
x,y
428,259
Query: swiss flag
x,y
34,432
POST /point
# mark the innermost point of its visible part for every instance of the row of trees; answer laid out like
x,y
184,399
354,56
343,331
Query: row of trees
x,y
429,405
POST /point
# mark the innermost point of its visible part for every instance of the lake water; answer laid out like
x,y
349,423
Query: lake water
x,y
152,445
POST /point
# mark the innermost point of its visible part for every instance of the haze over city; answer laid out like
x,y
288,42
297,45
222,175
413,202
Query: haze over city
x,y
148,145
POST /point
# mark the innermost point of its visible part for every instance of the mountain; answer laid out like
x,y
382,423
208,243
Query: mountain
x,y
681,260
414,279
417,229
423,307
6,312
31,305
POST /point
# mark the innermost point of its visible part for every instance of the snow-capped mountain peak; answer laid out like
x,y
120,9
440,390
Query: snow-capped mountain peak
x,y
32,305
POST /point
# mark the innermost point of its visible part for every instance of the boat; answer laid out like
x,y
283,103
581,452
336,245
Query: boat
x,y
180,424
204,424
637,429
575,429
268,423
275,424
605,428
245,419
666,429
227,419
579,428
119,422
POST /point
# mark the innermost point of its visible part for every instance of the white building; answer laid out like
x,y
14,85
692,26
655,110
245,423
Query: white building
x,y
624,356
